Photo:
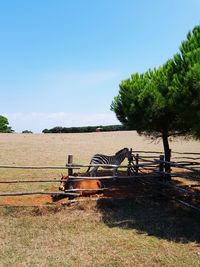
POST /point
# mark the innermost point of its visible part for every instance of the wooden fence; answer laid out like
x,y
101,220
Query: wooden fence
x,y
145,164
188,165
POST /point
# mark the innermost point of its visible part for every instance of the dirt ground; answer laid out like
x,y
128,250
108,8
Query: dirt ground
x,y
52,149
132,188
97,230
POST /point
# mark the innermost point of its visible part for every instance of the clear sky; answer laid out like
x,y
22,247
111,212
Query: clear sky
x,y
61,61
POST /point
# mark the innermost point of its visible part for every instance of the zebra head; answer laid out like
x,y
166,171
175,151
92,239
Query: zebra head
x,y
124,153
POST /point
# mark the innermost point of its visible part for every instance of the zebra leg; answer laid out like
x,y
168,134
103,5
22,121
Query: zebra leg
x,y
93,172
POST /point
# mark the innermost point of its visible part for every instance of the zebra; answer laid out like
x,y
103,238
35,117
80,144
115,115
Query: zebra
x,y
113,160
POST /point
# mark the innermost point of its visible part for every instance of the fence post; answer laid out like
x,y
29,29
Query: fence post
x,y
168,175
136,162
70,162
130,161
161,166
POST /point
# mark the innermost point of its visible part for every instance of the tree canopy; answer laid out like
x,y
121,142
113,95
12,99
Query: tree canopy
x,y
85,129
4,125
165,101
186,82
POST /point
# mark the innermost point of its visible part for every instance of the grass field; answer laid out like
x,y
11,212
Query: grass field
x,y
103,233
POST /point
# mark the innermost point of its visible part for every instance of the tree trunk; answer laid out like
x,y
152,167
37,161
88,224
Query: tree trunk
x,y
167,151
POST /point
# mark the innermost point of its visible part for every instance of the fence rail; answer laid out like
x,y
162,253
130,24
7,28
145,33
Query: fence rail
x,y
142,167
37,193
37,167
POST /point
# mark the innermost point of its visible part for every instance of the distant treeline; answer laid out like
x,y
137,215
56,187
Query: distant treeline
x,y
85,129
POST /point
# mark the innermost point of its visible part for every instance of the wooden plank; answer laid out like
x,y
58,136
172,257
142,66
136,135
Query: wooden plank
x,y
188,205
75,178
74,166
85,189
36,193
37,167
185,176
180,189
69,164
31,181
161,165
115,166
148,152
185,158
174,164
193,185
78,178
97,165
136,166
186,153
161,152
188,163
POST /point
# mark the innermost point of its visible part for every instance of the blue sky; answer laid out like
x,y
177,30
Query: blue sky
x,y
61,61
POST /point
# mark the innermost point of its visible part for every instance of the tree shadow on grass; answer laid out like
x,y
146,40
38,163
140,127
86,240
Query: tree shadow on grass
x,y
161,219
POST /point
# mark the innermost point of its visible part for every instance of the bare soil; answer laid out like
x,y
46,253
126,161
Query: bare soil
x,y
52,149
105,232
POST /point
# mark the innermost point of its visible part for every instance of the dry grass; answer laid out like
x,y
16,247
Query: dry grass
x,y
103,234
110,234
49,149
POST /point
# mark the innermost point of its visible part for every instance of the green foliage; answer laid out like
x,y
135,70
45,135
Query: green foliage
x,y
186,83
143,103
27,131
85,129
164,102
4,125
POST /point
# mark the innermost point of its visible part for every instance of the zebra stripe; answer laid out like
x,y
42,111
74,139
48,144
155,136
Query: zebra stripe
x,y
113,160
